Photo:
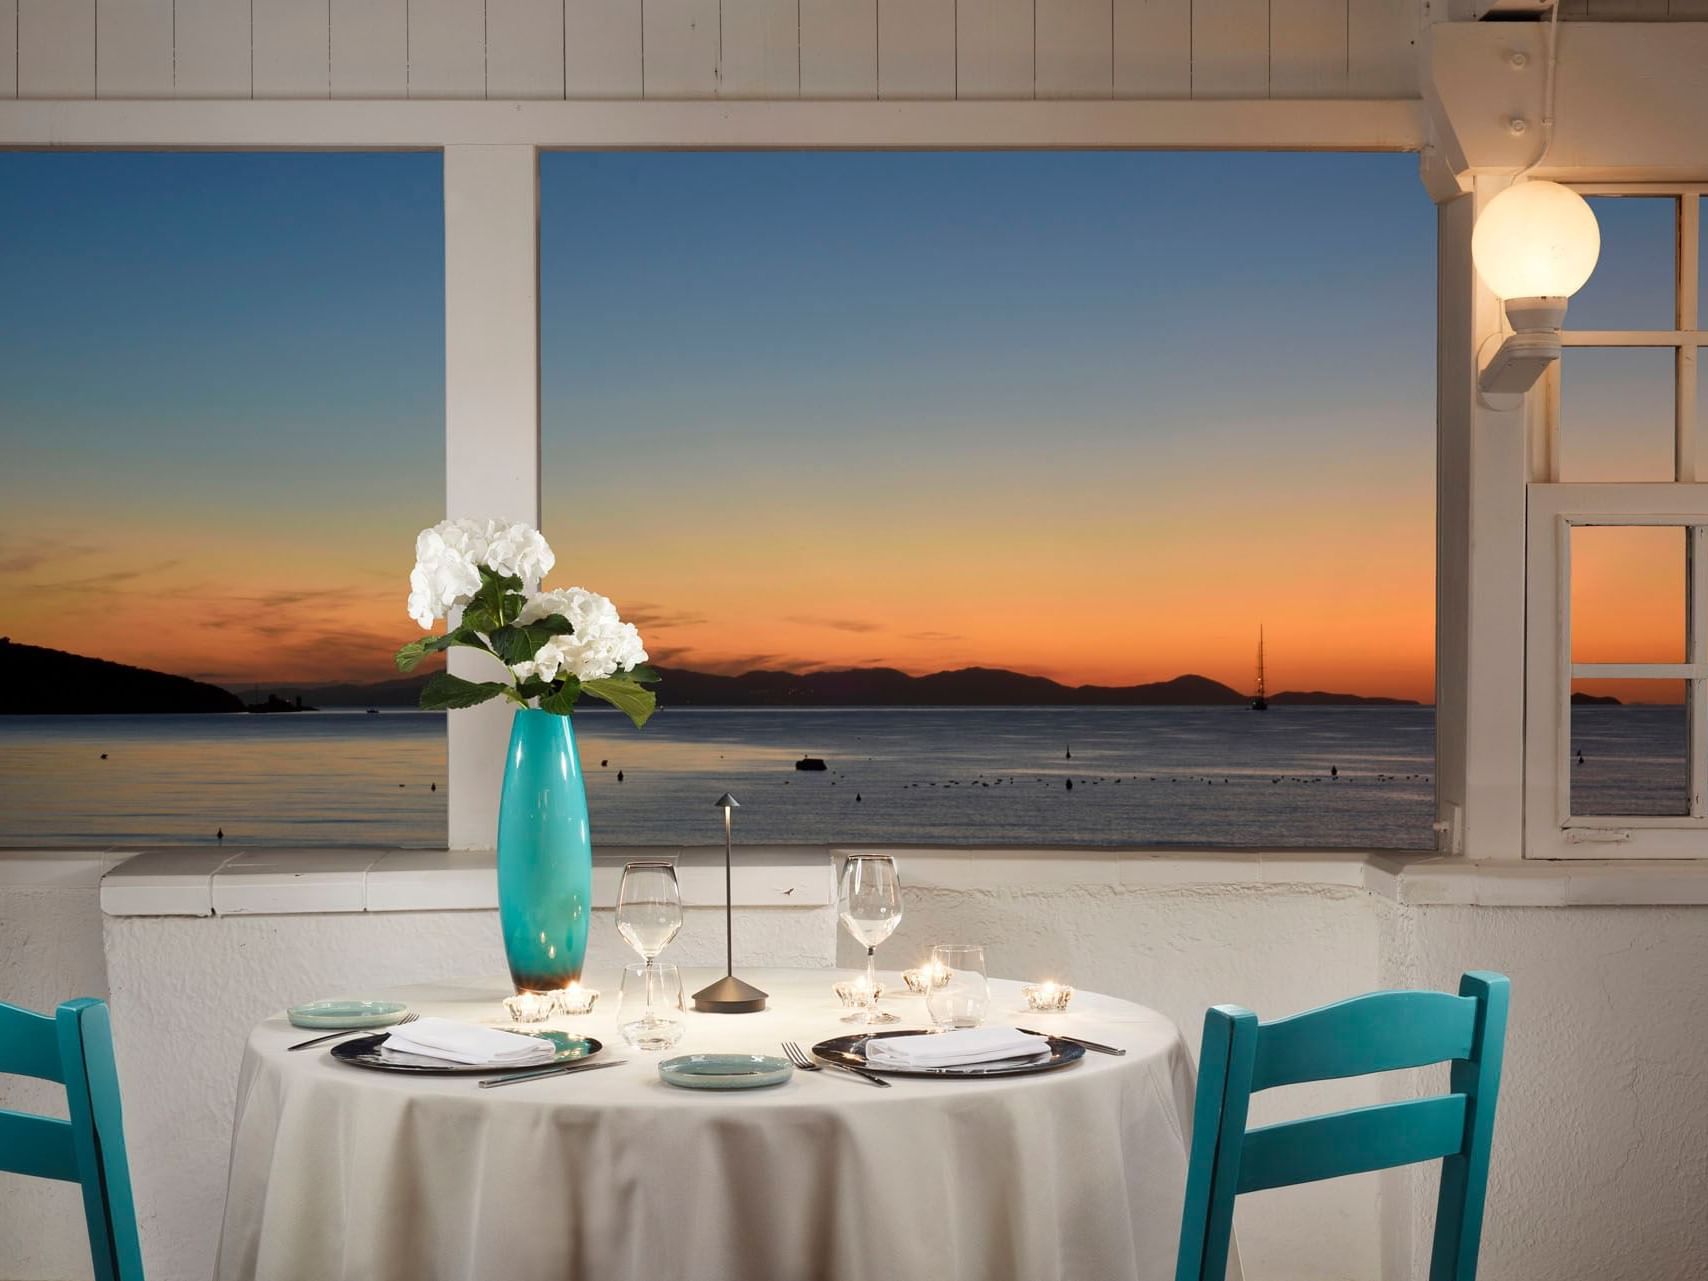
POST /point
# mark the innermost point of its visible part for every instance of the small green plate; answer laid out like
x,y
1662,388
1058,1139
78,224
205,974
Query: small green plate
x,y
346,1015
725,1071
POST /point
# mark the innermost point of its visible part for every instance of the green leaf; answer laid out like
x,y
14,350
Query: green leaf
x,y
563,701
642,674
445,691
497,602
415,651
516,643
534,687
634,701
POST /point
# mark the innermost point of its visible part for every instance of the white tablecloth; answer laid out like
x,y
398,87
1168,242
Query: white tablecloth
x,y
612,1175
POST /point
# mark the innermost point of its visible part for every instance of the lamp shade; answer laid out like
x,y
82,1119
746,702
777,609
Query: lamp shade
x,y
1536,240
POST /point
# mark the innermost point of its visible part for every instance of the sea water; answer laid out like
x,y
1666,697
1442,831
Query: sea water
x,y
1311,777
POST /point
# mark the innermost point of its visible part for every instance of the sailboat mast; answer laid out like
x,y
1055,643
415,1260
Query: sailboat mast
x,y
1260,700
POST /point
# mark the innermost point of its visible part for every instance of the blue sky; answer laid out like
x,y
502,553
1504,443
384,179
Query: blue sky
x,y
812,408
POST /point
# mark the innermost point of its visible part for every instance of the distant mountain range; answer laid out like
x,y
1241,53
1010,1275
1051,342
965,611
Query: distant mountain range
x,y
33,679
881,687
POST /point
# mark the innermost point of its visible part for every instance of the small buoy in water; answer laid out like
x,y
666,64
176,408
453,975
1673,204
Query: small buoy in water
x,y
103,756
1070,785
857,796
1070,751
432,787
1334,771
400,784
619,776
604,763
219,835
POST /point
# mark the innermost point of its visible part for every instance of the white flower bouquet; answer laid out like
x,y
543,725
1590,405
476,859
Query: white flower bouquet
x,y
555,646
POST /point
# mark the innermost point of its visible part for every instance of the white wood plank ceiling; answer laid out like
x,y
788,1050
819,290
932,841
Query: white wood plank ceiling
x,y
820,49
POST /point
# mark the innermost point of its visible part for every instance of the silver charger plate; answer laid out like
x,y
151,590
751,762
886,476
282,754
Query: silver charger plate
x,y
852,1051
366,1052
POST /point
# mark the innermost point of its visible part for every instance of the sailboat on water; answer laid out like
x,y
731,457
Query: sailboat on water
x,y
1260,700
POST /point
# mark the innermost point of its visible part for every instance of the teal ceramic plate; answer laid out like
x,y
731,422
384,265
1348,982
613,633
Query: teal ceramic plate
x,y
346,1015
725,1071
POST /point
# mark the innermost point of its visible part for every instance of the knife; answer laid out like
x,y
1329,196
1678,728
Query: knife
x,y
1075,1040
565,1070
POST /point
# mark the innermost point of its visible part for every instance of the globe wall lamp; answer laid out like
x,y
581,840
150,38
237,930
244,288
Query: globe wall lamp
x,y
1535,245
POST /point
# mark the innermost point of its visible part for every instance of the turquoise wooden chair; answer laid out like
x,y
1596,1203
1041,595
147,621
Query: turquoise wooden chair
x,y
1381,1032
74,1047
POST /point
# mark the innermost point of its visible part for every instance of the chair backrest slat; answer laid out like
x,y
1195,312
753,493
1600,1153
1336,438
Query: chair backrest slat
x,y
1354,1142
29,1044
1380,1032
37,1145
88,1148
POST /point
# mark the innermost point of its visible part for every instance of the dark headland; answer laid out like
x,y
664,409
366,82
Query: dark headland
x,y
35,680
882,687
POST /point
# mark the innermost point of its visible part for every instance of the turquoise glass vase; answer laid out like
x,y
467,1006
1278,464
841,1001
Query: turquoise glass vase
x,y
545,854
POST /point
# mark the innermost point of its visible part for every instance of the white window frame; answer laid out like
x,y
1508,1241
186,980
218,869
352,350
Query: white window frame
x,y
1551,830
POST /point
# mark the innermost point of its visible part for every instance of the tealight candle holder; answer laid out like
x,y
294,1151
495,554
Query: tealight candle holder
x,y
531,1007
576,999
931,974
855,995
1047,996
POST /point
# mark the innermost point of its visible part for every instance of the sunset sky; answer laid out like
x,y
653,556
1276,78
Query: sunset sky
x,y
1094,416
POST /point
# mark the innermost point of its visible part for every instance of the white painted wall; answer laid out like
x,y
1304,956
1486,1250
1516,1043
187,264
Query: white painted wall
x,y
1599,1167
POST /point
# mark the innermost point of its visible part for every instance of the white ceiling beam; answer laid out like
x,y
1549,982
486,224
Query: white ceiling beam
x,y
1338,125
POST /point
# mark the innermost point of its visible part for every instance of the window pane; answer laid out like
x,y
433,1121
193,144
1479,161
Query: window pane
x,y
855,436
221,397
1616,414
1629,751
1628,594
1635,281
1702,266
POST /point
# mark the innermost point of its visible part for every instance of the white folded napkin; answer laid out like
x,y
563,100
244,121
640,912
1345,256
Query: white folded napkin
x,y
467,1043
954,1049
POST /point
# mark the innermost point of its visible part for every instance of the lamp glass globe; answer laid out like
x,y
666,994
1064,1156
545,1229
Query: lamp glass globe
x,y
1536,240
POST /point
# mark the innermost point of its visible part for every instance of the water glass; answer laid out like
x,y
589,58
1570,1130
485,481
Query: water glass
x,y
649,907
651,1010
963,997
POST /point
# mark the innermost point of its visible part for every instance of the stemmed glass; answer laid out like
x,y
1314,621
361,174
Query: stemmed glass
x,y
649,908
869,903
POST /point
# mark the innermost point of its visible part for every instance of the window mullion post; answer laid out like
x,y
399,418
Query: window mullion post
x,y
492,420
1688,318
1697,649
1484,458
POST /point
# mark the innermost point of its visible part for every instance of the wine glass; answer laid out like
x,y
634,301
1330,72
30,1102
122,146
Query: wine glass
x,y
649,908
651,1009
962,996
870,906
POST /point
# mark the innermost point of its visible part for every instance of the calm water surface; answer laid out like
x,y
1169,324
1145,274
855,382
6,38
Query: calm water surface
x,y
1311,777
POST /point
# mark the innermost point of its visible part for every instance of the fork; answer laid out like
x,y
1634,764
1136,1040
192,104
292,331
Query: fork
x,y
350,1031
806,1063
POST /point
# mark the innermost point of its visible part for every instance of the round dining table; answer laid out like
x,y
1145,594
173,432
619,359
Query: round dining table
x,y
1076,1174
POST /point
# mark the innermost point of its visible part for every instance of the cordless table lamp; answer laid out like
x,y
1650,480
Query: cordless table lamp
x,y
729,995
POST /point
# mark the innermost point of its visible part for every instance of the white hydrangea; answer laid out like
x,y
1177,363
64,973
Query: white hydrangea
x,y
448,558
601,645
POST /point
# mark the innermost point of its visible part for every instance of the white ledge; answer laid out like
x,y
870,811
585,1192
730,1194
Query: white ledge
x,y
201,882
222,882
